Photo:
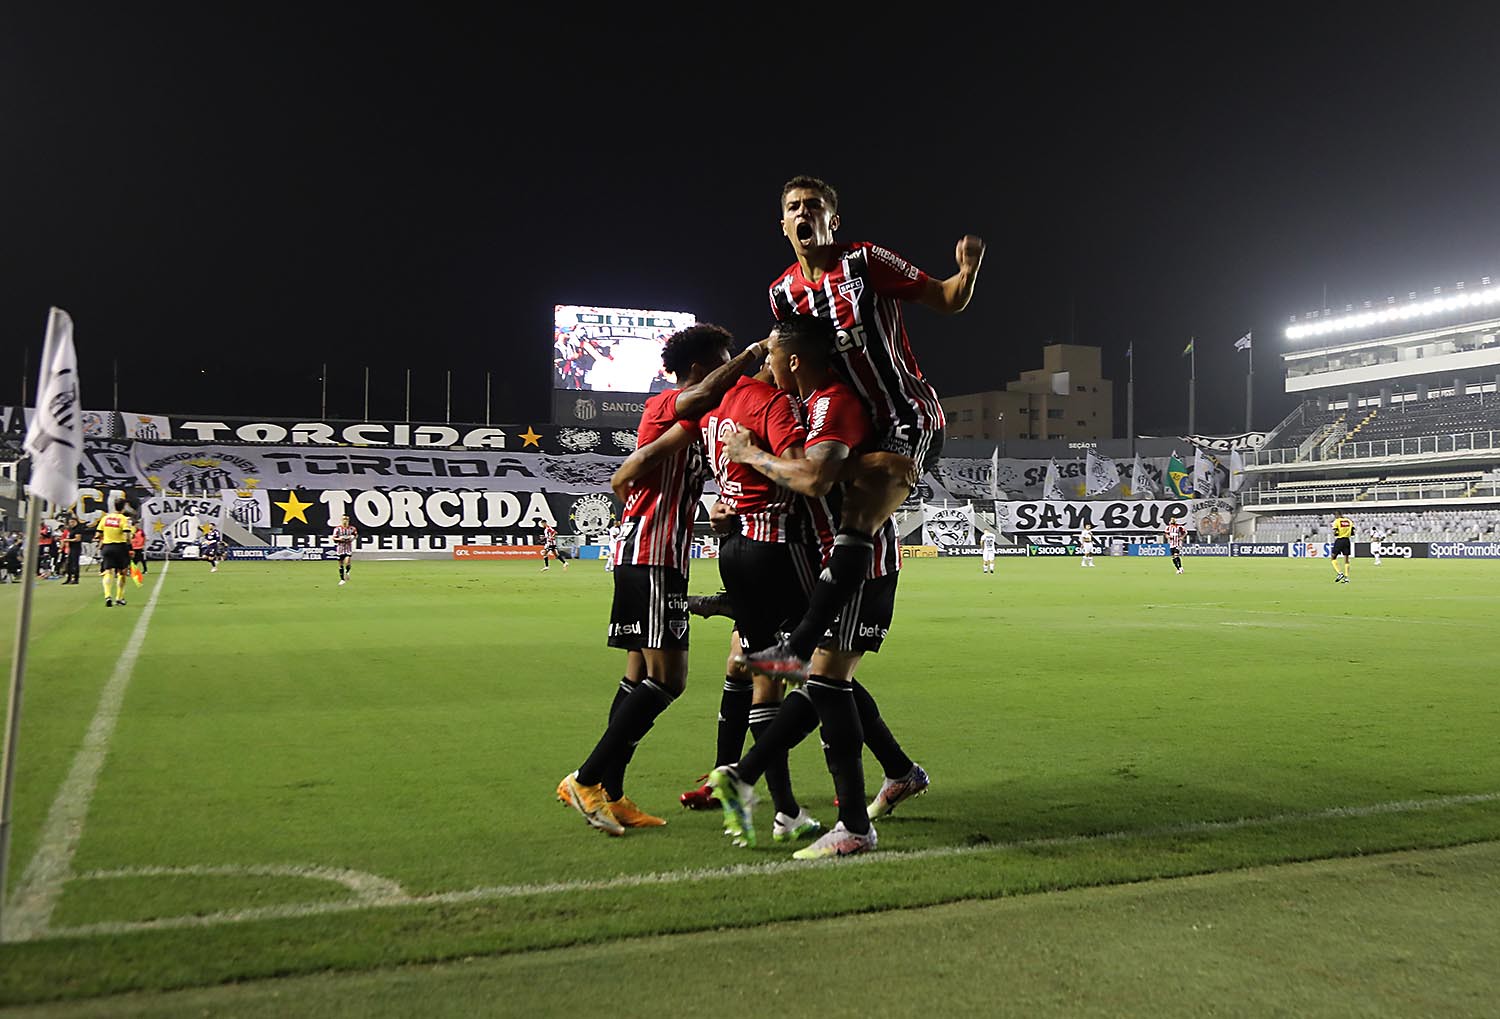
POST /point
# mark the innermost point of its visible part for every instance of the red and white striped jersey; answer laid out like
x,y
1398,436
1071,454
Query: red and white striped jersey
x,y
835,414
1176,535
656,526
549,534
768,414
344,537
863,295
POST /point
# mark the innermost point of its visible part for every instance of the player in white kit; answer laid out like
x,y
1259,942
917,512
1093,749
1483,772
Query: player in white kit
x,y
1377,537
987,546
607,553
1086,545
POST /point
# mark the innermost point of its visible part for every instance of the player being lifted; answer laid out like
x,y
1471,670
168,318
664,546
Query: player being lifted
x,y
987,548
1343,545
1176,537
1086,545
860,287
550,549
344,537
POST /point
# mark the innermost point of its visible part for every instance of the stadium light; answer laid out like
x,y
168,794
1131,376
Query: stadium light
x,y
1362,320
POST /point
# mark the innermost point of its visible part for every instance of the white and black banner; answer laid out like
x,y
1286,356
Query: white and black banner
x,y
947,527
210,469
496,517
1121,516
971,478
1243,442
173,521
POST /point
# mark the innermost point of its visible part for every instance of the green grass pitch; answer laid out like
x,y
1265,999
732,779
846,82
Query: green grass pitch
x,y
351,778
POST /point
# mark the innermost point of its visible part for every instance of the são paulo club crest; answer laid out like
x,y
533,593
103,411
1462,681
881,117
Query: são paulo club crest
x,y
592,514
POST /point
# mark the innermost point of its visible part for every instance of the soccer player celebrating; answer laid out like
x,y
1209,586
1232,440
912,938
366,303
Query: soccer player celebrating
x,y
860,287
1086,545
838,429
649,617
987,548
114,552
344,537
1176,536
1343,545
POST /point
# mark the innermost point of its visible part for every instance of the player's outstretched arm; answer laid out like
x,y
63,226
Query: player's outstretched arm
x,y
812,472
698,399
952,295
638,464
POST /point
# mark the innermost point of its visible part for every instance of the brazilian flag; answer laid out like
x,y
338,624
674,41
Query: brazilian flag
x,y
1179,480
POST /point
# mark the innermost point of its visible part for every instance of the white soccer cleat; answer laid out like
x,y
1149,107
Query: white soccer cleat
x,y
897,790
794,829
342,583
838,842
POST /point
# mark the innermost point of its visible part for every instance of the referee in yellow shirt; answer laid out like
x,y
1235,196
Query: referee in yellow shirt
x,y
1343,545
114,552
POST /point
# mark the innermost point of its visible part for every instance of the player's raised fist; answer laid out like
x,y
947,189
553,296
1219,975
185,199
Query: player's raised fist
x,y
970,253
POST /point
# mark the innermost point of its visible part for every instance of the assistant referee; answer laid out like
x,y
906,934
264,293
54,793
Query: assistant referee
x,y
114,552
1343,545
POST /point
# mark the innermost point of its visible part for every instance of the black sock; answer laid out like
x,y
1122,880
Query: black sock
x,y
614,776
1177,561
778,775
636,714
845,572
794,721
734,720
878,737
843,745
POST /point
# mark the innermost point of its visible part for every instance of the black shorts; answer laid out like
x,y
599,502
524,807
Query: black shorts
x,y
650,609
866,619
114,556
922,446
768,582
551,550
1173,551
1341,546
137,555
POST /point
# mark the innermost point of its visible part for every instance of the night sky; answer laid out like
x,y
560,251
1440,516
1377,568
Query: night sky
x,y
225,200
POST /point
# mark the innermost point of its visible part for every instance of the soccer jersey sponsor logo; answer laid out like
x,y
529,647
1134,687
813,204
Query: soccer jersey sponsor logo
x,y
627,629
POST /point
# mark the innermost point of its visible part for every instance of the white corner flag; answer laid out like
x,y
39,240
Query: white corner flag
x,y
995,473
1243,343
1051,489
55,438
1100,474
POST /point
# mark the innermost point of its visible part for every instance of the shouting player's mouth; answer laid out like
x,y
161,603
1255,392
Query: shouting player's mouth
x,y
804,232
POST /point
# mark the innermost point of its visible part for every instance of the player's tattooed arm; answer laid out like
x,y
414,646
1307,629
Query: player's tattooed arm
x,y
813,472
696,400
638,464
952,295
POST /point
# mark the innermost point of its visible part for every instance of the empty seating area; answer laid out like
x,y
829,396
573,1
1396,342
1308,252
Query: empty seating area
x,y
1430,525
1390,488
1311,420
1444,416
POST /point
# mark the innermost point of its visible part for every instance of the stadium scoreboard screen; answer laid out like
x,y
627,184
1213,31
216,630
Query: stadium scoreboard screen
x,y
615,350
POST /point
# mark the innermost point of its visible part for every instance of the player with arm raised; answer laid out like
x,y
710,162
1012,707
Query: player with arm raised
x,y
860,287
649,617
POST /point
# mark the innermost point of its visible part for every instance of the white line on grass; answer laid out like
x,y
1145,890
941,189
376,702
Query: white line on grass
x,y
30,911
380,894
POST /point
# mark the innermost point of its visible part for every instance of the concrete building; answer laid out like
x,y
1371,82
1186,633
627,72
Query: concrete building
x,y
1064,399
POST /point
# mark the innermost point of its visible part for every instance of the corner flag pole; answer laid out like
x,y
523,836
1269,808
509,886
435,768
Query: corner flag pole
x,y
54,441
13,703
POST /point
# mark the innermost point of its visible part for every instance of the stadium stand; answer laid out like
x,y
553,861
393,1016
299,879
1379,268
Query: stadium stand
x,y
1428,525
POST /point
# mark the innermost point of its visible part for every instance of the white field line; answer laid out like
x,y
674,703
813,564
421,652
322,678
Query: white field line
x,y
30,912
378,893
